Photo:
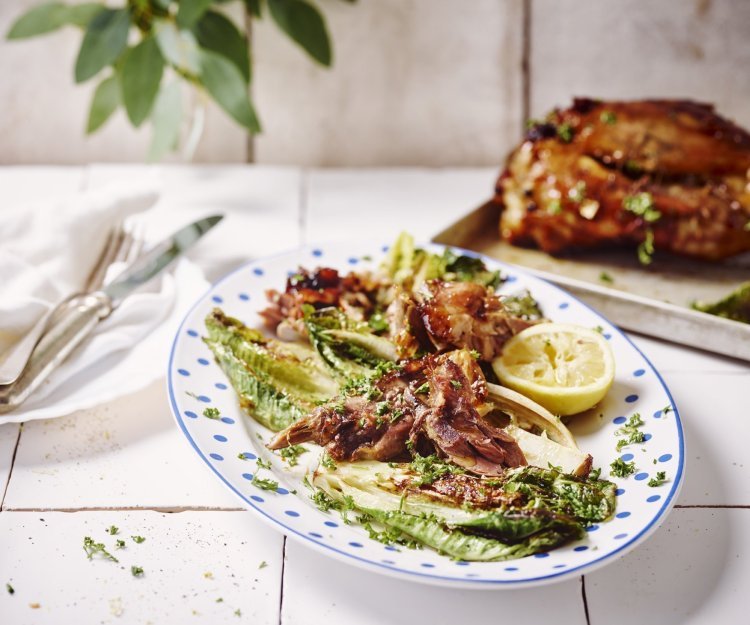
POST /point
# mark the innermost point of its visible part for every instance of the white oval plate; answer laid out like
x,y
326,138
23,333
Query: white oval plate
x,y
230,445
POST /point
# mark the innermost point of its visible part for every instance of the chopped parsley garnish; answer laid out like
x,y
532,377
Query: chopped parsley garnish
x,y
565,132
661,477
220,600
263,565
646,248
324,502
262,464
523,305
608,117
456,384
291,453
397,414
137,571
138,539
211,413
475,354
422,388
430,468
599,329
641,204
10,589
378,322
264,484
388,535
238,612
606,278
632,167
91,548
630,431
113,529
554,207
120,544
594,474
382,408
462,268
327,462
667,409
578,192
620,468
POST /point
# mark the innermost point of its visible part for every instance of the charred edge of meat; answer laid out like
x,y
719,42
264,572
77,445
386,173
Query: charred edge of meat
x,y
320,288
426,407
466,315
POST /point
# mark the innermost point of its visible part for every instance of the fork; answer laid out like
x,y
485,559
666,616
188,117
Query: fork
x,y
124,243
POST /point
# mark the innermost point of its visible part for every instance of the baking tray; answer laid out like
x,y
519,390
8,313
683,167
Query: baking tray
x,y
616,283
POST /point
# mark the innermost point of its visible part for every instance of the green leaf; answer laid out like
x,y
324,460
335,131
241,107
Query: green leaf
x,y
179,47
140,76
38,21
106,99
218,34
82,14
166,121
105,39
253,7
305,25
190,12
226,85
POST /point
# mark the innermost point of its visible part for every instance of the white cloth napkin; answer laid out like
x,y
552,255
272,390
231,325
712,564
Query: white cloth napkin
x,y
47,250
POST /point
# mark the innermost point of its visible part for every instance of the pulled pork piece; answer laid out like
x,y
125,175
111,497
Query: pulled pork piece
x,y
428,406
459,489
355,293
453,315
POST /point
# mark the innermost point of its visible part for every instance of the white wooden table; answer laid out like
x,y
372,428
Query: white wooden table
x,y
208,561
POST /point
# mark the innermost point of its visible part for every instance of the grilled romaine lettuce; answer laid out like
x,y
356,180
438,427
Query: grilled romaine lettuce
x,y
526,511
349,348
410,266
277,382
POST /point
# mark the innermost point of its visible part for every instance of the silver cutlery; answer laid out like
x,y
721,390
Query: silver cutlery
x,y
80,314
123,244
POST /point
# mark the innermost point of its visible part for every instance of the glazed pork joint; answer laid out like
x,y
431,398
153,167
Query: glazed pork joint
x,y
658,174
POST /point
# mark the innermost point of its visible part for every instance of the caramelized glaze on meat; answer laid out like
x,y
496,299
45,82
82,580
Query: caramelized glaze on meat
x,y
428,406
566,186
467,315
355,293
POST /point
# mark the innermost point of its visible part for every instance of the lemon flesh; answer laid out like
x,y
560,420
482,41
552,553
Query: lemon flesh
x,y
565,368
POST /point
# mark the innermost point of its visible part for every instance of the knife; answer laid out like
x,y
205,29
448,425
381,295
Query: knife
x,y
81,313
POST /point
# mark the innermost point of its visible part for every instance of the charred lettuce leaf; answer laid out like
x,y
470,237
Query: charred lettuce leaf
x,y
349,348
410,266
277,382
526,511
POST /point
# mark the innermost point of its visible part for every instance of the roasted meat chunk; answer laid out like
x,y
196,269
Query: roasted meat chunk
x,y
355,293
430,405
662,175
452,315
467,315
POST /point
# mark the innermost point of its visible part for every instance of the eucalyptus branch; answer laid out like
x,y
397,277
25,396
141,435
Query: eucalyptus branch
x,y
201,45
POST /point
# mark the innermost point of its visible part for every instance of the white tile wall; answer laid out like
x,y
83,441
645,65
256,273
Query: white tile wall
x,y
414,82
628,49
